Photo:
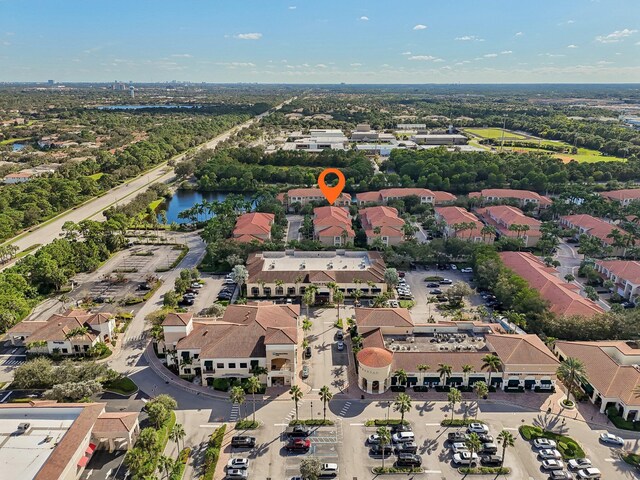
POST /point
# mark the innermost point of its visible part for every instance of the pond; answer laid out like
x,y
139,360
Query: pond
x,y
185,199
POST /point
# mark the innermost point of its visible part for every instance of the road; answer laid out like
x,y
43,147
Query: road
x,y
121,194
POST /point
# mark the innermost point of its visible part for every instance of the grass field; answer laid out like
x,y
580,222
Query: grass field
x,y
495,133
96,176
584,155
155,204
9,141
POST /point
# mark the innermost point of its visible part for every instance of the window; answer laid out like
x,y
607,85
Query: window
x,y
291,291
196,355
187,371
279,290
337,240
243,364
267,291
219,365
232,365
255,291
254,364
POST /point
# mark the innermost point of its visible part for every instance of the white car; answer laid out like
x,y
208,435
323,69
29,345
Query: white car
x,y
611,439
579,463
240,463
466,270
591,472
549,453
453,267
552,464
237,473
373,439
403,437
544,443
465,458
477,428
459,447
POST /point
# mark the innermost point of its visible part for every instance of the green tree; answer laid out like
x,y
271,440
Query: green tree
x,y
310,468
158,414
482,390
240,275
454,397
237,396
391,277
506,439
492,363
296,396
325,396
572,373
401,376
253,386
444,370
402,404
474,444
177,434
385,439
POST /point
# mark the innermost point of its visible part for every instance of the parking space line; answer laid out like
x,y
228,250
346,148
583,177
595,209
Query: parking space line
x,y
432,471
432,424
357,424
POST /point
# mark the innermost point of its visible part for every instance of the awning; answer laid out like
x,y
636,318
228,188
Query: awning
x,y
83,462
454,380
545,382
529,382
513,383
90,449
473,380
412,380
431,380
496,380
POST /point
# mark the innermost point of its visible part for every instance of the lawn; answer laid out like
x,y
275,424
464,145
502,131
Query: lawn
x,y
155,204
584,155
495,133
9,141
96,176
123,386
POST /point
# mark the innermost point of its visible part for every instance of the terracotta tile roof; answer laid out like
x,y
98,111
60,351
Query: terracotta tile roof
x,y
255,224
313,193
516,350
624,269
58,327
510,193
246,238
116,422
373,338
100,318
622,195
332,221
593,226
384,217
611,379
444,197
383,317
454,215
177,319
27,327
383,195
375,357
507,215
561,296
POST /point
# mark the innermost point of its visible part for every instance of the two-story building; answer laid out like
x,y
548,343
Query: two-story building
x,y
521,197
305,196
624,197
247,338
511,222
382,223
332,226
625,274
459,223
425,195
253,226
596,228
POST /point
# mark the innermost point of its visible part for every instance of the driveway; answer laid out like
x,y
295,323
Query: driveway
x,y
293,229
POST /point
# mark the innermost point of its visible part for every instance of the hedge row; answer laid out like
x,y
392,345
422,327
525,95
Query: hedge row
x,y
212,453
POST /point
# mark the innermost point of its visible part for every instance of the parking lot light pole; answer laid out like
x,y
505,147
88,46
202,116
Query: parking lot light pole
x,y
311,407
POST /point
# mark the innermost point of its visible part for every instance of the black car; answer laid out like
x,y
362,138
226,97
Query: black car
x,y
491,460
489,449
407,447
442,298
243,441
298,431
435,291
400,428
409,460
307,352
486,438
379,450
433,285
455,437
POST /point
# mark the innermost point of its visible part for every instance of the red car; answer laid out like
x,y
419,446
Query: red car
x,y
298,444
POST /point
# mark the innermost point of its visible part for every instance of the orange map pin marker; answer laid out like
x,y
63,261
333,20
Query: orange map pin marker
x,y
331,193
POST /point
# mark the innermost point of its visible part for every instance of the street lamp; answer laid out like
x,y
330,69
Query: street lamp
x,y
311,406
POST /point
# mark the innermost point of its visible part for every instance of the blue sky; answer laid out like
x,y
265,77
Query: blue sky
x,y
321,41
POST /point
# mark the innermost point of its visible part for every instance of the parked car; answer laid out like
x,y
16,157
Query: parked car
x,y
373,439
401,428
549,453
485,438
407,447
540,443
329,470
409,460
435,291
579,463
240,463
442,298
489,449
307,352
402,437
433,285
298,431
477,428
305,371
590,472
340,345
465,458
560,475
458,447
237,473
401,274
611,439
243,441
298,445
552,464
466,270
196,285
491,460
458,436
445,281
628,304
379,450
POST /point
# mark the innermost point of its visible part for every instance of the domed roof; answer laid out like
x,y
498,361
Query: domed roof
x,y
375,357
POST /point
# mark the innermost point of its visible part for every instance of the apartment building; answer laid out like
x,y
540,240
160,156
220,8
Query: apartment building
x,y
305,196
522,197
595,228
464,225
383,223
332,226
511,222
624,197
253,226
625,274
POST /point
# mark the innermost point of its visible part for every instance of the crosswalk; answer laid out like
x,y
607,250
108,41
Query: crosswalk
x,y
235,413
14,360
345,409
292,414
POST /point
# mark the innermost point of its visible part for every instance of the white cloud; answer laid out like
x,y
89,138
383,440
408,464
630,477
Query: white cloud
x,y
469,38
616,36
568,22
364,19
292,7
551,55
356,64
506,52
423,58
490,55
438,60
406,53
519,34
571,21
637,43
604,62
236,64
321,65
572,46
248,36
182,55
420,27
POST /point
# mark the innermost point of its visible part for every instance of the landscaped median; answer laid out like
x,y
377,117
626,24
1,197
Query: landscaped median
x,y
567,446
212,453
247,425
459,422
312,423
484,470
121,386
381,422
395,470
178,470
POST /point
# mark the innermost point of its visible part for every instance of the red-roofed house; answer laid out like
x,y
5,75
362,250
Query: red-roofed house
x,y
457,222
595,228
624,197
523,197
425,195
332,226
384,223
504,218
304,196
624,273
563,298
253,226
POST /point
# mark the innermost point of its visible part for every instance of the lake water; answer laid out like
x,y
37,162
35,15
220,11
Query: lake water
x,y
185,199
138,107
16,147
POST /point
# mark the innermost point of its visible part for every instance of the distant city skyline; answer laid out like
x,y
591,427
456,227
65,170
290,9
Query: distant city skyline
x,y
571,41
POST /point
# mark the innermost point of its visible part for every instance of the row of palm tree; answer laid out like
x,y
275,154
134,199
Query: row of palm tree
x,y
325,396
167,464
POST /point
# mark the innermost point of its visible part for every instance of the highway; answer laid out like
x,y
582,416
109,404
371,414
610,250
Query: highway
x,y
123,193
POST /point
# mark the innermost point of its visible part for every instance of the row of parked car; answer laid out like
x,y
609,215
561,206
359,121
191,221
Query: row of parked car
x,y
404,290
238,467
297,441
403,446
551,462
189,296
462,456
228,287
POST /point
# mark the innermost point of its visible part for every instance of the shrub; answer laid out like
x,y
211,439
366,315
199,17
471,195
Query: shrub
x,y
314,422
212,453
459,422
178,471
247,425
379,470
123,385
567,446
221,384
484,470
378,422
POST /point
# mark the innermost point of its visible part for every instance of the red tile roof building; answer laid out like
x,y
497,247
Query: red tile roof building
x,y
304,196
253,226
523,197
625,274
563,298
425,195
596,228
455,218
332,226
384,223
624,197
504,217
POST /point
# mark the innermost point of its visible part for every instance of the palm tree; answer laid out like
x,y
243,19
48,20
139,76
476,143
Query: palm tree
x,y
385,439
473,443
325,396
401,376
444,371
423,367
338,297
166,464
253,386
492,363
402,404
466,370
482,390
572,372
309,297
296,396
506,439
487,231
237,396
453,397
177,433
306,325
